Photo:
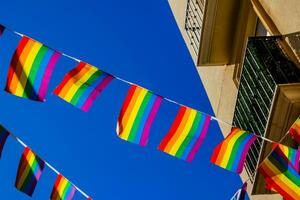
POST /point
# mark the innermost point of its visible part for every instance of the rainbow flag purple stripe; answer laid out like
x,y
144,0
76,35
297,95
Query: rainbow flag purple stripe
x,y
3,137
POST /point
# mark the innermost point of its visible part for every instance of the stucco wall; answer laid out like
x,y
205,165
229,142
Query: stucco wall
x,y
285,14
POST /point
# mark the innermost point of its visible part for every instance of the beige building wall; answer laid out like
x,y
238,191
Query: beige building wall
x,y
284,14
179,11
217,80
221,92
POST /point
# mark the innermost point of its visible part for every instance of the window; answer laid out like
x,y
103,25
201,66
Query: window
x,y
194,21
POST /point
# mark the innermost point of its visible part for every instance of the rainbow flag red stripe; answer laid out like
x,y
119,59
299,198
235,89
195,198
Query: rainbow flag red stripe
x,y
280,175
82,85
186,134
30,69
62,189
295,131
29,171
137,115
231,153
3,137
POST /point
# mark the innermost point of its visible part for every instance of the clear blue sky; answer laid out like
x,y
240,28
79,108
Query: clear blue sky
x,y
138,41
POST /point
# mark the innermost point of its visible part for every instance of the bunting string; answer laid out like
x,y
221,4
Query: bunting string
x,y
47,164
175,150
130,83
256,169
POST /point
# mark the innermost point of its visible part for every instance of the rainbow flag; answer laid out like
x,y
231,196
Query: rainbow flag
x,y
186,134
30,69
62,189
2,28
137,114
29,172
231,153
291,154
3,137
295,131
241,193
82,85
280,174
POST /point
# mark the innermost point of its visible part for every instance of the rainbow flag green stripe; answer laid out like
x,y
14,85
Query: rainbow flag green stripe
x,y
29,172
30,69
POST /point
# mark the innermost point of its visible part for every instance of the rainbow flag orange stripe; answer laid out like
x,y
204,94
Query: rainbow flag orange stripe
x,y
62,189
186,134
30,69
137,115
295,131
231,153
280,175
82,85
29,172
3,137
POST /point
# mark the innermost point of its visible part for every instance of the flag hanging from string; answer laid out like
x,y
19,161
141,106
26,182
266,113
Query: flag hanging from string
x,y
62,189
3,137
295,131
29,171
2,28
137,115
231,153
241,193
186,134
280,174
293,155
30,69
82,85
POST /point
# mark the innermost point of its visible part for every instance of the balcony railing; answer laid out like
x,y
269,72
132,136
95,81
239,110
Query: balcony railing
x,y
265,66
194,22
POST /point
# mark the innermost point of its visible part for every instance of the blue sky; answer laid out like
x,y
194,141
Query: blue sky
x,y
138,41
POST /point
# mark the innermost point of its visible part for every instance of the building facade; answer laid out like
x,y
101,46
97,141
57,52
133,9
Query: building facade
x,y
251,72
